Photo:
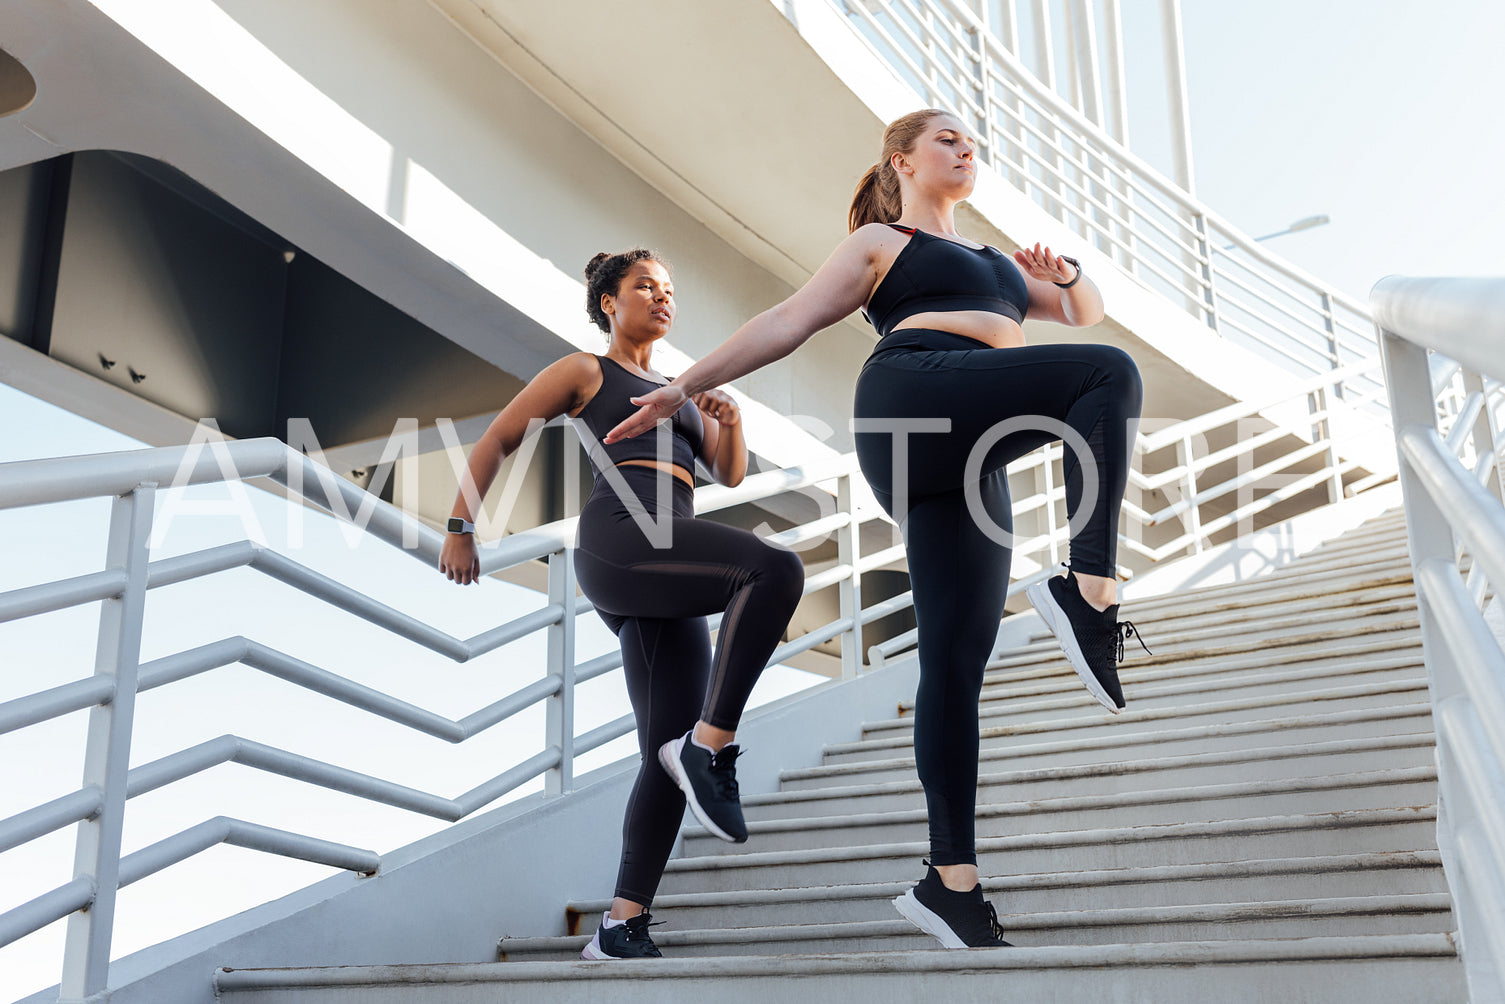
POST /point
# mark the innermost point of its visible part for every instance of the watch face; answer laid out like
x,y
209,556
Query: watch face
x,y
456,525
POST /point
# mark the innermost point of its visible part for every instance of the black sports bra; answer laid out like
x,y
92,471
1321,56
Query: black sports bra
x,y
933,273
610,406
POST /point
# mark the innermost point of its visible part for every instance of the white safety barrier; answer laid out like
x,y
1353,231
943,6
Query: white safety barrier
x,y
1452,489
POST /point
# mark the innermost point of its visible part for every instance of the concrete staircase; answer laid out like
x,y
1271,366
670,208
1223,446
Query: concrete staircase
x,y
1260,823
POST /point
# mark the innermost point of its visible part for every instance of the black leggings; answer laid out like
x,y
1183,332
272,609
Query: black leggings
x,y
655,600
958,567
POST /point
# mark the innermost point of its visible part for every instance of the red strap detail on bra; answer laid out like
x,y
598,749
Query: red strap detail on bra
x,y
904,230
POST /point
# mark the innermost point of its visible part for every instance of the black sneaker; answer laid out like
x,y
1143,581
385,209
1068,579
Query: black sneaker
x,y
709,781
955,919
627,940
1093,640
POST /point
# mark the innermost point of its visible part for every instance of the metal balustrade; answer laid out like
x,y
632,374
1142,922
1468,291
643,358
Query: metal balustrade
x,y
1074,170
1452,488
1314,439
97,808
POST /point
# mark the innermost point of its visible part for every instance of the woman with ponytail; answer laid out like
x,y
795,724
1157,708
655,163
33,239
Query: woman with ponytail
x,y
654,573
950,395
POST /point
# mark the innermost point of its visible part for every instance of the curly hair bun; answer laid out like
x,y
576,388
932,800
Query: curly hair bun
x,y
595,263
603,276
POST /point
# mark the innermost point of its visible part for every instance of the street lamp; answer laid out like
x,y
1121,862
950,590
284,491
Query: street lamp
x,y
1303,224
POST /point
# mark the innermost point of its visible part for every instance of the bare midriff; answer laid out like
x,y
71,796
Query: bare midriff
x,y
674,469
992,330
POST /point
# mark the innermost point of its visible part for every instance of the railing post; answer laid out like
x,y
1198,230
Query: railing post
x,y
1185,455
1047,484
1323,403
1429,536
1484,430
1331,327
1204,264
849,553
560,709
86,951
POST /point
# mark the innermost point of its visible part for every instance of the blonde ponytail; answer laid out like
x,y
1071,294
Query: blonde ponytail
x,y
877,198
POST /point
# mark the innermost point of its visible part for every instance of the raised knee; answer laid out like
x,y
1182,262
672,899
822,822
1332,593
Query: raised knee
x,y
787,572
1120,367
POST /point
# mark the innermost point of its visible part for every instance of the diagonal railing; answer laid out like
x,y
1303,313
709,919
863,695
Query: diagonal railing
x,y
97,807
1452,487
1074,170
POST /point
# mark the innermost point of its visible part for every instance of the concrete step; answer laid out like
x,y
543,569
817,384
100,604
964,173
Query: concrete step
x,y
1333,627
1058,679
1306,918
1180,710
1333,634
1146,689
1190,616
1107,744
1335,876
1394,565
1323,833
1399,968
1237,799
1299,595
1265,763
1174,645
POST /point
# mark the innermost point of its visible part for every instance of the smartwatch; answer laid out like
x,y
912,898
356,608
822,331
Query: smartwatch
x,y
458,525
1074,264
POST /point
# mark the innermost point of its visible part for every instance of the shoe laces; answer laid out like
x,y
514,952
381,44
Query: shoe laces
x,y
1121,633
637,929
994,928
723,772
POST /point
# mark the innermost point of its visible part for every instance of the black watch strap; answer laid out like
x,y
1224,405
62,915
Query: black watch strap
x,y
1074,264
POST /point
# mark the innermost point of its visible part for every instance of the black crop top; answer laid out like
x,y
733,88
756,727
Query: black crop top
x,y
933,273
610,406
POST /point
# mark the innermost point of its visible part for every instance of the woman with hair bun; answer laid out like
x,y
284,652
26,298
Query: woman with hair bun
x,y
951,395
654,573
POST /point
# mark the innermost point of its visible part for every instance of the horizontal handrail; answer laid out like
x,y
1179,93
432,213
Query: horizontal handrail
x,y
1446,315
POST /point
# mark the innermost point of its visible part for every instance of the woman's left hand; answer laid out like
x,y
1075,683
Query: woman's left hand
x,y
1039,263
718,404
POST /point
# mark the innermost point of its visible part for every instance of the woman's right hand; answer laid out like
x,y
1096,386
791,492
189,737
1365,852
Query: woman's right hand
x,y
459,561
656,406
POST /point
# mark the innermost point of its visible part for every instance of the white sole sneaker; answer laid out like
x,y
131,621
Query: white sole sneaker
x,y
668,758
1060,625
921,916
593,953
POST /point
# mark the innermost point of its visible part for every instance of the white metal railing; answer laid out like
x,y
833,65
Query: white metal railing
x,y
1452,490
97,807
1306,435
1156,232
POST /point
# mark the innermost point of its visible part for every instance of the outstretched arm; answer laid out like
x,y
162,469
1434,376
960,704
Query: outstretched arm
x,y
560,388
837,288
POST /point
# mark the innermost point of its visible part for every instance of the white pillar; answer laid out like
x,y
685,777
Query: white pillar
x,y
1175,82
1117,100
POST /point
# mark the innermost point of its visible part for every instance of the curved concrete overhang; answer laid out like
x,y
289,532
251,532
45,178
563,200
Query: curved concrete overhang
x,y
103,89
422,95
17,86
760,117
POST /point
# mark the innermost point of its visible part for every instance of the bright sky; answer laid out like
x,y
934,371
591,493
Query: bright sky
x,y
1375,112
1383,114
